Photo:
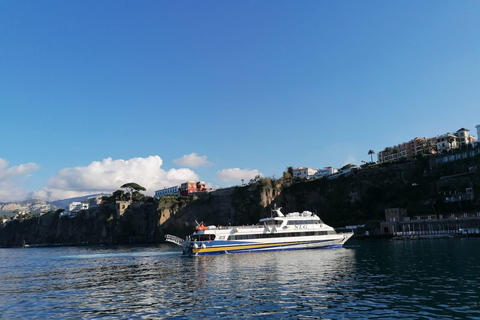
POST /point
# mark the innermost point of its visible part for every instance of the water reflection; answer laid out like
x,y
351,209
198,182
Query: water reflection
x,y
415,280
274,283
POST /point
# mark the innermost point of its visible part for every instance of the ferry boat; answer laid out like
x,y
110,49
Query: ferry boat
x,y
292,231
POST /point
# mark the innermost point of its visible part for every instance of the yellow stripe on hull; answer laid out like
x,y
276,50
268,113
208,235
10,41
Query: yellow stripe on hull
x,y
245,247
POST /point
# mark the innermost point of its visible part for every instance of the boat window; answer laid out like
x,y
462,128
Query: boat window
x,y
279,235
273,222
202,237
303,222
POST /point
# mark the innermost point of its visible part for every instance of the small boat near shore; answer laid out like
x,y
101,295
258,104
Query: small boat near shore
x,y
293,231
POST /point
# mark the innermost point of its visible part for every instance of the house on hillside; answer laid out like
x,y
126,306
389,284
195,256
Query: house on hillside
x,y
189,187
464,137
324,172
77,206
303,172
171,191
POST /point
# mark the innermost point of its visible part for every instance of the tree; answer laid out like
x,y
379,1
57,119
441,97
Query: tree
x,y
348,166
429,146
131,187
288,175
118,195
450,141
371,153
290,171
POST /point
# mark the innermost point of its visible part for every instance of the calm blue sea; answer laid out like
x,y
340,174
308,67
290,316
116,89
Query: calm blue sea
x,y
422,279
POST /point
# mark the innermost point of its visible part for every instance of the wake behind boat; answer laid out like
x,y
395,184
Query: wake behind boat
x,y
293,231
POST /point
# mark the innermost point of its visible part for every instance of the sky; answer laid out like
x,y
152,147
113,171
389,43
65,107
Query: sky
x,y
95,94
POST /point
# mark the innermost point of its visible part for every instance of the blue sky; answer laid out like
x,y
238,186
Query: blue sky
x,y
95,94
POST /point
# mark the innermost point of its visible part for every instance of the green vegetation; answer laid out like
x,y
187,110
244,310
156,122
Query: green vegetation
x,y
133,189
371,153
420,185
133,194
348,166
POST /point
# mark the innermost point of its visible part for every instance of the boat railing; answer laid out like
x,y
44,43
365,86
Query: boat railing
x,y
174,239
241,227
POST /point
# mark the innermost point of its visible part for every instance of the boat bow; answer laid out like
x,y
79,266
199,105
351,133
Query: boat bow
x,y
173,239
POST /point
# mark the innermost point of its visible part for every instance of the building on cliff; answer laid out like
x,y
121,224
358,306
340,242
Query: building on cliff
x,y
418,145
397,223
77,206
454,155
303,172
172,191
185,189
94,202
477,143
324,172
190,187
423,145
121,207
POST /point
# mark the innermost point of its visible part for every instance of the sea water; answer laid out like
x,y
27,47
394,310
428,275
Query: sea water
x,y
422,279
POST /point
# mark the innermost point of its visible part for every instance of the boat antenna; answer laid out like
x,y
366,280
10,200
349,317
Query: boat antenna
x,y
277,211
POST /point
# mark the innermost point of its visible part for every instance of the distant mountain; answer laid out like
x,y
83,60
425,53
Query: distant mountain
x,y
40,205
32,205
65,202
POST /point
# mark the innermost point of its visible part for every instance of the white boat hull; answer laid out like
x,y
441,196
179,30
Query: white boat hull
x,y
294,231
230,247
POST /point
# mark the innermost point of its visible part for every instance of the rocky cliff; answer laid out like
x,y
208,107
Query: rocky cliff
x,y
356,198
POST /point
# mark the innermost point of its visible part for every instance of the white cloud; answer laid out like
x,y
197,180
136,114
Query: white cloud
x,y
12,178
109,174
193,160
236,174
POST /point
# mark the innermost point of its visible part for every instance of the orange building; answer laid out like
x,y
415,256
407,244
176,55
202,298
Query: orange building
x,y
188,187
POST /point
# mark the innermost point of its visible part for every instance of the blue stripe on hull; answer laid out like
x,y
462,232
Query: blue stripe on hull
x,y
220,251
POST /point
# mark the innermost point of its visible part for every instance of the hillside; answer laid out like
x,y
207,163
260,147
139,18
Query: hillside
x,y
356,198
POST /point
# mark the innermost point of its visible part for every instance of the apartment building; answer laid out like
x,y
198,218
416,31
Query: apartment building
x,y
424,145
446,142
172,191
303,172
324,172
77,206
464,137
418,145
184,189
478,134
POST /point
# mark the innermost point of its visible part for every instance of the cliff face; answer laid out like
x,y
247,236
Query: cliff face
x,y
235,206
52,229
357,198
145,222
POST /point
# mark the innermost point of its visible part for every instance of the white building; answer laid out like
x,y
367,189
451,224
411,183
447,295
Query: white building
x,y
77,206
303,172
464,137
446,142
94,202
478,134
324,172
